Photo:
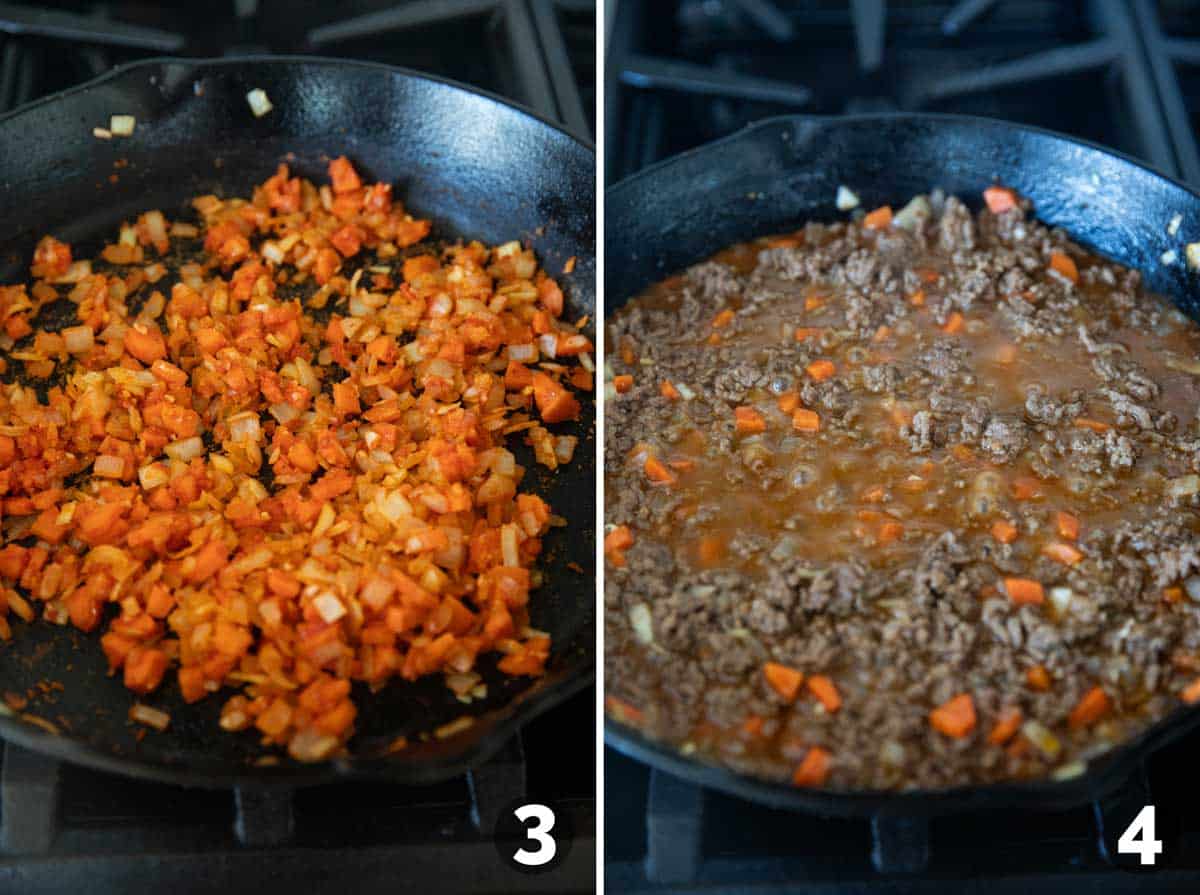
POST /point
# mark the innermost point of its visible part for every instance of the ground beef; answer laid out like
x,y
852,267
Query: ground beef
x,y
872,550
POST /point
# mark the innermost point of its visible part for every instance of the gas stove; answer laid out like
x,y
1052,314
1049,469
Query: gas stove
x,y
1122,73
539,53
70,829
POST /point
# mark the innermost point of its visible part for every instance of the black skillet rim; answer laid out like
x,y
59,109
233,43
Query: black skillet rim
x,y
1101,776
480,744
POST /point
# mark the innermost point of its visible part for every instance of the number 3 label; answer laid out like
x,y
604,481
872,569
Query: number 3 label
x,y
537,832
1138,838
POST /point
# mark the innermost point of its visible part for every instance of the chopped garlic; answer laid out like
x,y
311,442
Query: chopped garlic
x,y
122,125
1173,226
260,105
846,199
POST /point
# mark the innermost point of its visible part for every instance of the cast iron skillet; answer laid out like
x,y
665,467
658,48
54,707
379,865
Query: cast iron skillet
x,y
782,171
480,169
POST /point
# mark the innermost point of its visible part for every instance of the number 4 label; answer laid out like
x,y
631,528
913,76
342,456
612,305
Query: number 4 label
x,y
1138,838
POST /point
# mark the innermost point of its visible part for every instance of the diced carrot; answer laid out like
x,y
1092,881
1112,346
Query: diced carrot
x,y
917,299
804,420
1065,265
1038,678
146,344
1068,525
1004,532
748,421
999,199
1173,594
882,334
622,383
667,390
1025,591
191,683
814,769
623,711
47,528
343,176
954,324
955,717
711,550
551,297
209,560
656,471
826,692
784,680
1026,488
555,403
878,219
616,542
814,301
144,669
1093,706
928,274
1191,693
83,608
820,370
1006,726
753,725
723,319
1095,425
890,531
1063,553
803,333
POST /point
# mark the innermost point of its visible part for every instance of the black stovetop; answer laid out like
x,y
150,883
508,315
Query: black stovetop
x,y
1123,73
68,829
540,53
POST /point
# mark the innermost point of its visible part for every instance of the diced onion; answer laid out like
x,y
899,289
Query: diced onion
x,y
185,449
245,428
329,607
270,612
523,354
78,339
152,475
684,392
642,623
102,133
914,214
564,447
508,545
151,717
1060,599
122,125
1046,742
1184,486
156,226
260,104
1191,586
1069,771
1192,251
548,342
311,745
377,592
109,466
846,199
284,412
1173,224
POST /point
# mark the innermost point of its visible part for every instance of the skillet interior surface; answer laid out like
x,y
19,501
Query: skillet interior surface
x,y
780,172
480,169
